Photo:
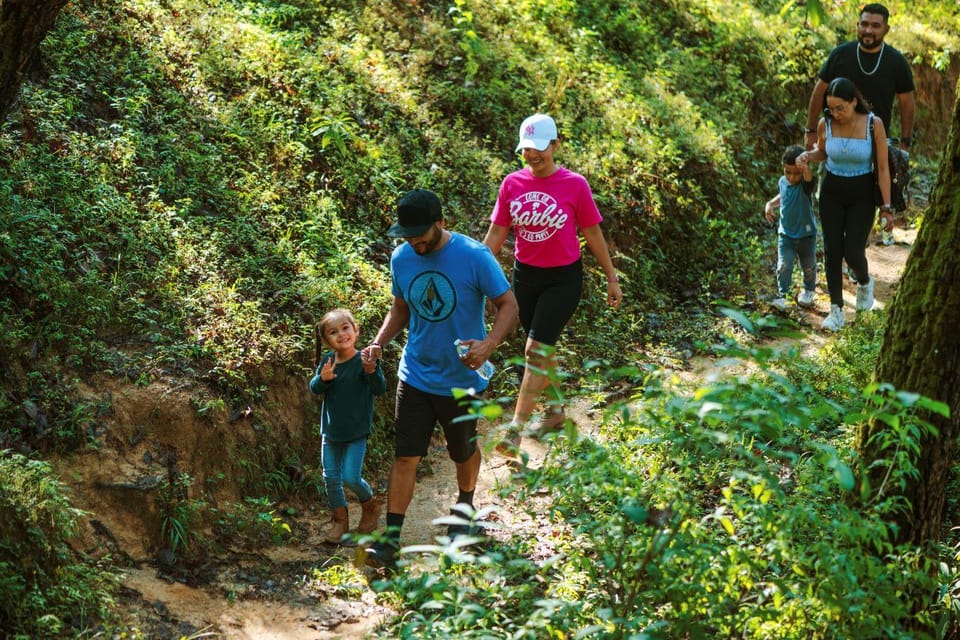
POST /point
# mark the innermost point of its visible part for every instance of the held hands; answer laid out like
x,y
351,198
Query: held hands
x,y
369,357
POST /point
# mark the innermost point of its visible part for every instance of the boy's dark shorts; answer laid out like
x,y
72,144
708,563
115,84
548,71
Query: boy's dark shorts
x,y
416,414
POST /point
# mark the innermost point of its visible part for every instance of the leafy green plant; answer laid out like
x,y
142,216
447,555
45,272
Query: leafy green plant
x,y
733,508
46,590
179,514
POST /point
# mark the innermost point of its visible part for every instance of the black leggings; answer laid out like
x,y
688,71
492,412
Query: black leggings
x,y
548,297
847,212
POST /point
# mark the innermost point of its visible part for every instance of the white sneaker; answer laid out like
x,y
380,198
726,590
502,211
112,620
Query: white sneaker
x,y
865,296
780,304
805,299
834,320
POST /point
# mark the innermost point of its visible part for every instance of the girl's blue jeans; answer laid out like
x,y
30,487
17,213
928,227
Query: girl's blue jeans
x,y
342,467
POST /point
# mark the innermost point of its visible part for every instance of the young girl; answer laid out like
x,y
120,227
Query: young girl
x,y
348,379
548,207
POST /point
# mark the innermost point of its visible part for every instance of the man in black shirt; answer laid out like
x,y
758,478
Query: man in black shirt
x,y
879,71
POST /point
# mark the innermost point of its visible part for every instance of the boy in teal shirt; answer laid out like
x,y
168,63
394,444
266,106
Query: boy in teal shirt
x,y
797,230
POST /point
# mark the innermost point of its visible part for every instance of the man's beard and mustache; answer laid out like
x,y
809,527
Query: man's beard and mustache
x,y
870,42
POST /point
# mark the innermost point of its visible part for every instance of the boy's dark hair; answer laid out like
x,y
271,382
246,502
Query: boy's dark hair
x,y
878,9
791,154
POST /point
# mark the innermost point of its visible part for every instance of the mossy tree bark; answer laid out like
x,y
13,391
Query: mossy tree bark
x,y
921,346
23,24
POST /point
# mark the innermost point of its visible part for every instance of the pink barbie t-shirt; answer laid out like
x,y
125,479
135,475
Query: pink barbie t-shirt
x,y
546,215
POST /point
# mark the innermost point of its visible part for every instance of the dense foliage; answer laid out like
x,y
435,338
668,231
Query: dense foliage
x,y
732,509
47,590
185,187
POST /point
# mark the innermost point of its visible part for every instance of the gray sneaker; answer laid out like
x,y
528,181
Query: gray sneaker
x,y
780,304
834,320
865,296
805,299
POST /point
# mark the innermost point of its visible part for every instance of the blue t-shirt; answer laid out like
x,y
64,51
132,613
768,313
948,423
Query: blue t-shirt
x,y
446,292
796,209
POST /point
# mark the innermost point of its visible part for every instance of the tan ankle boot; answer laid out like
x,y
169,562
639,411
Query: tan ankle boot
x,y
339,526
370,515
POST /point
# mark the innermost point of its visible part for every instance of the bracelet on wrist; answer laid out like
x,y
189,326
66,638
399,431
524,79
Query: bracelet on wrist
x,y
807,130
886,207
905,141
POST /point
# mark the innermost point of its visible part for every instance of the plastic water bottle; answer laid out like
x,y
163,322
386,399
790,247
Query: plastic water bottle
x,y
886,237
486,370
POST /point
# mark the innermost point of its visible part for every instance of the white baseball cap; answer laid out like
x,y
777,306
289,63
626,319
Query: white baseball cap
x,y
537,132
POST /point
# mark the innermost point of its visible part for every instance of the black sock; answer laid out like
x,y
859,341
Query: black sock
x,y
465,497
394,524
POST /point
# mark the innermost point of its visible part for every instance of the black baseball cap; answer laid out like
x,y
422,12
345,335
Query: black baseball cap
x,y
416,213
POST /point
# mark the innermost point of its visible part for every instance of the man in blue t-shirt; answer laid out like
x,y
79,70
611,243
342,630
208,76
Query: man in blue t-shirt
x,y
440,283
879,71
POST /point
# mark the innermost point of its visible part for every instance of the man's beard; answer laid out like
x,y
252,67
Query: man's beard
x,y
875,44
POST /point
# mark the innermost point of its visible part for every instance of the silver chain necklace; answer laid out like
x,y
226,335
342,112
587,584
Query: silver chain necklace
x,y
877,66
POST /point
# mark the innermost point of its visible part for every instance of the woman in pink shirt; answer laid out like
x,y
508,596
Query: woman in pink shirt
x,y
548,207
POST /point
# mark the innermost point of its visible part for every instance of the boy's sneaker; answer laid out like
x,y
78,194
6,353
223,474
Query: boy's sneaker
x,y
865,296
834,320
805,299
780,304
382,555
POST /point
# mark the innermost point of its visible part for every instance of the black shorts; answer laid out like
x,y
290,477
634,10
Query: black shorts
x,y
416,414
548,298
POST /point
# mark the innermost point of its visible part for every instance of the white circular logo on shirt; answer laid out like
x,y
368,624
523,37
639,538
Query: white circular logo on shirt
x,y
536,216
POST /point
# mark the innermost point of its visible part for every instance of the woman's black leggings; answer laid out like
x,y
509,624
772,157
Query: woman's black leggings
x,y
847,212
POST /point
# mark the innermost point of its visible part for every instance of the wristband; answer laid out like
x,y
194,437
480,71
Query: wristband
x,y
806,130
886,207
377,345
905,141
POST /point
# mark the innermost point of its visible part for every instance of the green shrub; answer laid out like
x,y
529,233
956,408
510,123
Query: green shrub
x,y
46,589
734,509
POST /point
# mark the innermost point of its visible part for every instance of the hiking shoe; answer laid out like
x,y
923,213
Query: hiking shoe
x,y
834,320
554,421
382,555
805,299
473,529
865,296
509,446
780,304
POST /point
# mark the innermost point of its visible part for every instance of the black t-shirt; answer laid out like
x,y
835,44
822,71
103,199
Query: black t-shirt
x,y
893,75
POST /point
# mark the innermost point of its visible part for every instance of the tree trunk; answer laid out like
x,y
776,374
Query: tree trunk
x,y
23,24
921,346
